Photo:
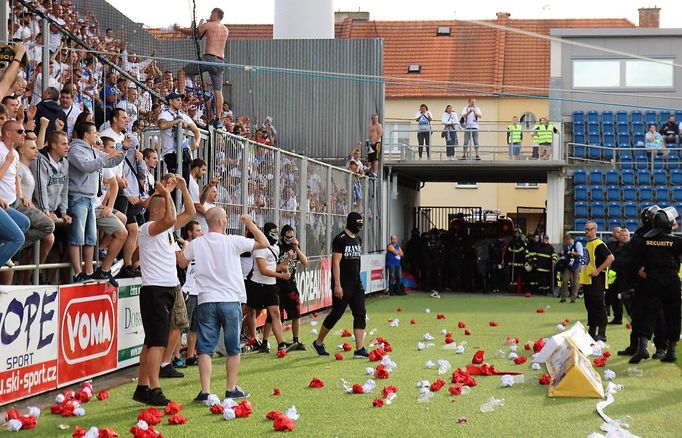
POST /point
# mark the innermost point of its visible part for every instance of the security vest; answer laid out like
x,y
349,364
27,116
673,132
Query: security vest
x,y
589,263
514,134
545,134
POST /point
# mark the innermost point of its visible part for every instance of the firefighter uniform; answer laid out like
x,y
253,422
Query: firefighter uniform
x,y
544,266
515,259
533,276
659,254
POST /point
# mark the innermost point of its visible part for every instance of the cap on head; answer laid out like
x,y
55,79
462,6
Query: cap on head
x,y
173,95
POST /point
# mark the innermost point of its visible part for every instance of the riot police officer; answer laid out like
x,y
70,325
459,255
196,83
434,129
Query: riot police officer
x,y
658,255
633,296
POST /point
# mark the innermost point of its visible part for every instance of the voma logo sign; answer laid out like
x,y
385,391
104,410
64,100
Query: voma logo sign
x,y
87,328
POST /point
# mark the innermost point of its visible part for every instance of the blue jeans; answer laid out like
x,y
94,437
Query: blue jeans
x,y
83,225
395,279
13,225
210,318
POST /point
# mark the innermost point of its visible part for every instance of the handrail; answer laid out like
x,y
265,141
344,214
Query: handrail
x,y
613,153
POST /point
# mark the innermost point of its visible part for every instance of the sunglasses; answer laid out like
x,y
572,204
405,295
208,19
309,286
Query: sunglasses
x,y
20,131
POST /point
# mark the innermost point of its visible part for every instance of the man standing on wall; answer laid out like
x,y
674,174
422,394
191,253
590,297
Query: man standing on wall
x,y
376,131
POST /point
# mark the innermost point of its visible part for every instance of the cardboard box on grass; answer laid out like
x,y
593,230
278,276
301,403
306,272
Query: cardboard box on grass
x,y
572,373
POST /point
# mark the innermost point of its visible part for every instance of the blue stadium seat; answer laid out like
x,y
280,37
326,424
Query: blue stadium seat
x,y
608,128
662,194
625,159
601,224
614,210
607,117
641,160
580,224
593,137
659,162
637,137
673,162
581,209
646,193
645,204
612,176
579,137
613,193
623,139
677,194
596,176
596,193
622,117
609,144
578,117
580,193
660,177
650,117
643,177
597,210
676,177
579,176
678,116
594,151
615,222
632,224
627,177
592,117
630,210
663,116
579,151
636,117
664,204
629,193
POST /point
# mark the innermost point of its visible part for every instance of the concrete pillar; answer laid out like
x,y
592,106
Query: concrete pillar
x,y
556,186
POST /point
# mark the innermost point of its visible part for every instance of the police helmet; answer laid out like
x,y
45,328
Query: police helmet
x,y
662,222
647,214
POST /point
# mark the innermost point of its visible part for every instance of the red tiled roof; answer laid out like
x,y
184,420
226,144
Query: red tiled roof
x,y
473,54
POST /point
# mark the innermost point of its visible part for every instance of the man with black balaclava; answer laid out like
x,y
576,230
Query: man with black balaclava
x,y
515,259
289,298
346,286
633,297
261,287
658,265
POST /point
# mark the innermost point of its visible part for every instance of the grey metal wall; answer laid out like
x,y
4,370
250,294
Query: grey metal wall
x,y
653,43
322,116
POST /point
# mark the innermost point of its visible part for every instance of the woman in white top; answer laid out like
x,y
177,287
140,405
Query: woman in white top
x,y
208,196
450,124
423,119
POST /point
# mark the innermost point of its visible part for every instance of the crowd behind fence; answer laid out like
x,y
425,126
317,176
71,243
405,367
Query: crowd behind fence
x,y
273,185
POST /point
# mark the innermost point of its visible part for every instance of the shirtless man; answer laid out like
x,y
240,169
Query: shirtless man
x,y
216,37
376,131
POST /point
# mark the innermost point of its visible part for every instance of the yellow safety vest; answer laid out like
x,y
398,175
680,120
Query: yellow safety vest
x,y
514,133
590,259
545,134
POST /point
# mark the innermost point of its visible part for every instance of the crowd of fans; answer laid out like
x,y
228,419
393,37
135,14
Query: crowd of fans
x,y
81,173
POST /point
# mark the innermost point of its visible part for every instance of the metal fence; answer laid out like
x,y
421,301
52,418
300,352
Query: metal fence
x,y
285,188
402,144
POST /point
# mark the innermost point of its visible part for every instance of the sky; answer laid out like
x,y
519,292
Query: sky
x,y
164,13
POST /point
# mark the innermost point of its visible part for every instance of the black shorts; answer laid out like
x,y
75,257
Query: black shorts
x,y
121,204
290,301
156,304
134,214
260,296
374,156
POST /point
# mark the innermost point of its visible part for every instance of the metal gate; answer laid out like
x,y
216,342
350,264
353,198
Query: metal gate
x,y
426,218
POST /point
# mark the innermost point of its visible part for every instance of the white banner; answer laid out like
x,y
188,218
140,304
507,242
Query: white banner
x,y
373,272
130,331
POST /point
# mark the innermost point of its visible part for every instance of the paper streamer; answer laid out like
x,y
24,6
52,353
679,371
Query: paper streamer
x,y
613,428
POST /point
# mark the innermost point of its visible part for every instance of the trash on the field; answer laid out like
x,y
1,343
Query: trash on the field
x,y
513,348
507,381
373,332
512,356
451,346
635,372
313,331
62,426
313,323
535,366
596,352
395,322
443,332
444,366
369,371
390,398
428,337
560,327
421,346
14,425
229,414
425,395
609,374
428,310
492,404
429,364
423,384
369,386
462,420
292,413
388,363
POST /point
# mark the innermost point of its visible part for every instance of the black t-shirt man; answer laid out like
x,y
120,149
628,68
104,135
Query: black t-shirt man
x,y
350,249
